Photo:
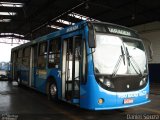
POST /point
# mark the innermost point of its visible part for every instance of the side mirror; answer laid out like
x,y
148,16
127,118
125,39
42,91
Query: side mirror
x,y
91,36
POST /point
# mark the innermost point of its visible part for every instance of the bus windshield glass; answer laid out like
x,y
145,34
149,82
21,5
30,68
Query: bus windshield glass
x,y
119,56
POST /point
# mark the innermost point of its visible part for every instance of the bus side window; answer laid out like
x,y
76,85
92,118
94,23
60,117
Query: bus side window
x,y
84,64
19,59
26,56
42,55
54,53
14,57
14,60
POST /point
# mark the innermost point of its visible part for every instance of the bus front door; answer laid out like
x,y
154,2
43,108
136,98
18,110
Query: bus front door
x,y
70,69
34,60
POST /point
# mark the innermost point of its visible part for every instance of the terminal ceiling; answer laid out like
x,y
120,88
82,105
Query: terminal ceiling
x,y
28,19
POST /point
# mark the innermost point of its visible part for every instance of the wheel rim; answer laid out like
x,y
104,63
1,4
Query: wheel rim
x,y
53,90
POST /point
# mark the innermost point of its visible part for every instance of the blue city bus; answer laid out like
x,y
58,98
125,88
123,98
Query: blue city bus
x,y
94,65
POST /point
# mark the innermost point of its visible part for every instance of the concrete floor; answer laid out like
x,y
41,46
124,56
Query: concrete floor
x,y
25,104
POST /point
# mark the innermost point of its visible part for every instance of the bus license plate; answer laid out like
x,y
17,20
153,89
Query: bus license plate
x,y
128,101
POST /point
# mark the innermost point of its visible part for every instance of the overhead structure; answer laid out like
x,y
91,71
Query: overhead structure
x,y
34,18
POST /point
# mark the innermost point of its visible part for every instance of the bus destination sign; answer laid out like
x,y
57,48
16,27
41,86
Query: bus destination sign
x,y
119,31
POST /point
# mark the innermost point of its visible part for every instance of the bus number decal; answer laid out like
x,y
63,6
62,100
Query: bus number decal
x,y
70,29
131,95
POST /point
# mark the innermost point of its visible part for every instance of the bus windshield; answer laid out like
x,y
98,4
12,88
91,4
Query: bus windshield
x,y
119,56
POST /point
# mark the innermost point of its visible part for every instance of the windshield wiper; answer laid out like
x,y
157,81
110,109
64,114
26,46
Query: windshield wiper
x,y
118,62
130,58
123,55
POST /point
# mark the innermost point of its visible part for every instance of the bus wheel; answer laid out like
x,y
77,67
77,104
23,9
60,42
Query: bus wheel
x,y
53,91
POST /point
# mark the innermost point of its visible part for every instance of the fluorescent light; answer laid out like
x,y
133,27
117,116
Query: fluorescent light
x,y
6,34
11,4
78,16
81,17
18,35
5,20
65,22
55,27
8,13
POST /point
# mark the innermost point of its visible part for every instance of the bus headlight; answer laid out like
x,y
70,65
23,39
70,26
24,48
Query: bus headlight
x,y
106,82
100,101
142,82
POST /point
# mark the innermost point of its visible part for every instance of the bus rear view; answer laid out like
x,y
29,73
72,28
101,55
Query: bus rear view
x,y
118,73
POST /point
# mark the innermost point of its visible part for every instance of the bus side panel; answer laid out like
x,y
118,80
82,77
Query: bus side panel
x,y
41,80
24,75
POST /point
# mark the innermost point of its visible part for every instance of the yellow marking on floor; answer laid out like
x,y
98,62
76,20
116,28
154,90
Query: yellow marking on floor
x,y
149,110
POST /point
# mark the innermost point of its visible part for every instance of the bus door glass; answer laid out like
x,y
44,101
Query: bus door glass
x,y
41,72
34,59
25,69
71,68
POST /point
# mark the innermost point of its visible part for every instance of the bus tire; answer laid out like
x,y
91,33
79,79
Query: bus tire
x,y
53,91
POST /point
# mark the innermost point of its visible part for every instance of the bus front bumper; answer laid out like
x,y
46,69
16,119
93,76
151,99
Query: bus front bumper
x,y
123,106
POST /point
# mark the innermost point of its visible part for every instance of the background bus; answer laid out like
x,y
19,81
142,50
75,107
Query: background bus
x,y
4,70
93,65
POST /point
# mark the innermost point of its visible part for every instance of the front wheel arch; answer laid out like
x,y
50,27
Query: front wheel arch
x,y
51,84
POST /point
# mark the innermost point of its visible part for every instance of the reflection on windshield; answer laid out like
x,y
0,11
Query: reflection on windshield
x,y
109,50
107,54
137,57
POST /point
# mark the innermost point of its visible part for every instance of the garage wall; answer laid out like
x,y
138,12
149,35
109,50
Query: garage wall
x,y
151,37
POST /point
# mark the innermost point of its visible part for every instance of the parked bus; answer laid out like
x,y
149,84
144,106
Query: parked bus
x,y
4,70
93,65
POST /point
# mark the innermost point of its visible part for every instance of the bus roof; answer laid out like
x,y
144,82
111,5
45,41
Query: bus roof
x,y
113,29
